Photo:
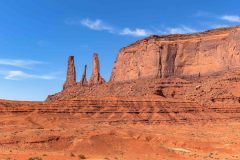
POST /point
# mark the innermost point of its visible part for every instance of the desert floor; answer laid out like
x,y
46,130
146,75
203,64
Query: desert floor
x,y
68,138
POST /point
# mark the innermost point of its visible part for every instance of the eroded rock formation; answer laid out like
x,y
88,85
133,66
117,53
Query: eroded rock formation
x,y
173,66
96,77
84,81
179,55
71,74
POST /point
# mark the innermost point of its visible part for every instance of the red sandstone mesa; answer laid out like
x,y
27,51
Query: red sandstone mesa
x,y
179,55
142,69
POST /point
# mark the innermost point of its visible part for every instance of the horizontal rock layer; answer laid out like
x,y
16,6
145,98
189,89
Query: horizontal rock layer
x,y
221,89
120,111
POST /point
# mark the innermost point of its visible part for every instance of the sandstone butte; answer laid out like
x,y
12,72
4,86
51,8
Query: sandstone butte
x,y
172,97
179,55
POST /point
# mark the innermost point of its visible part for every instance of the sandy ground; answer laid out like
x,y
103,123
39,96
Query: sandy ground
x,y
68,138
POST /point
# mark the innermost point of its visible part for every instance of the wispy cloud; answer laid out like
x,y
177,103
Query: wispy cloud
x,y
219,25
99,25
138,32
231,18
212,20
18,75
19,63
226,17
180,30
96,24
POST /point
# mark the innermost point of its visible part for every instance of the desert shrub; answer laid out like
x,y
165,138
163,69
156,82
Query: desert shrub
x,y
34,158
81,156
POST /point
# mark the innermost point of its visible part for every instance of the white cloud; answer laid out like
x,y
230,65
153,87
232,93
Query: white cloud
x,y
19,63
180,30
138,32
231,18
17,75
127,31
99,25
219,25
96,25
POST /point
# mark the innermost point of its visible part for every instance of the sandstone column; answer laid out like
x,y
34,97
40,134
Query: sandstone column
x,y
84,81
71,73
96,77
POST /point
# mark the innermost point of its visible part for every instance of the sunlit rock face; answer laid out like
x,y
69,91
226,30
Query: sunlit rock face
x,y
71,74
84,81
96,77
179,55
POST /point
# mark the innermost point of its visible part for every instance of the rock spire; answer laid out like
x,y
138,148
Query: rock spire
x,y
71,73
96,77
84,81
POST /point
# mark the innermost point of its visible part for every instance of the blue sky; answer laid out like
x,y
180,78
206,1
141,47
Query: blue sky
x,y
37,36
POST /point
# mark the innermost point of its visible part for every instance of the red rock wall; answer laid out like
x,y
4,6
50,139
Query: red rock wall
x,y
179,55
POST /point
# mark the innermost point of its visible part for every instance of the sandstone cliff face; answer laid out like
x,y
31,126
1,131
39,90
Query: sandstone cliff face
x,y
71,73
179,55
96,77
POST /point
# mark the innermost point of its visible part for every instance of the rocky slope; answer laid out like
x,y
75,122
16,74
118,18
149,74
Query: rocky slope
x,y
179,55
221,89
